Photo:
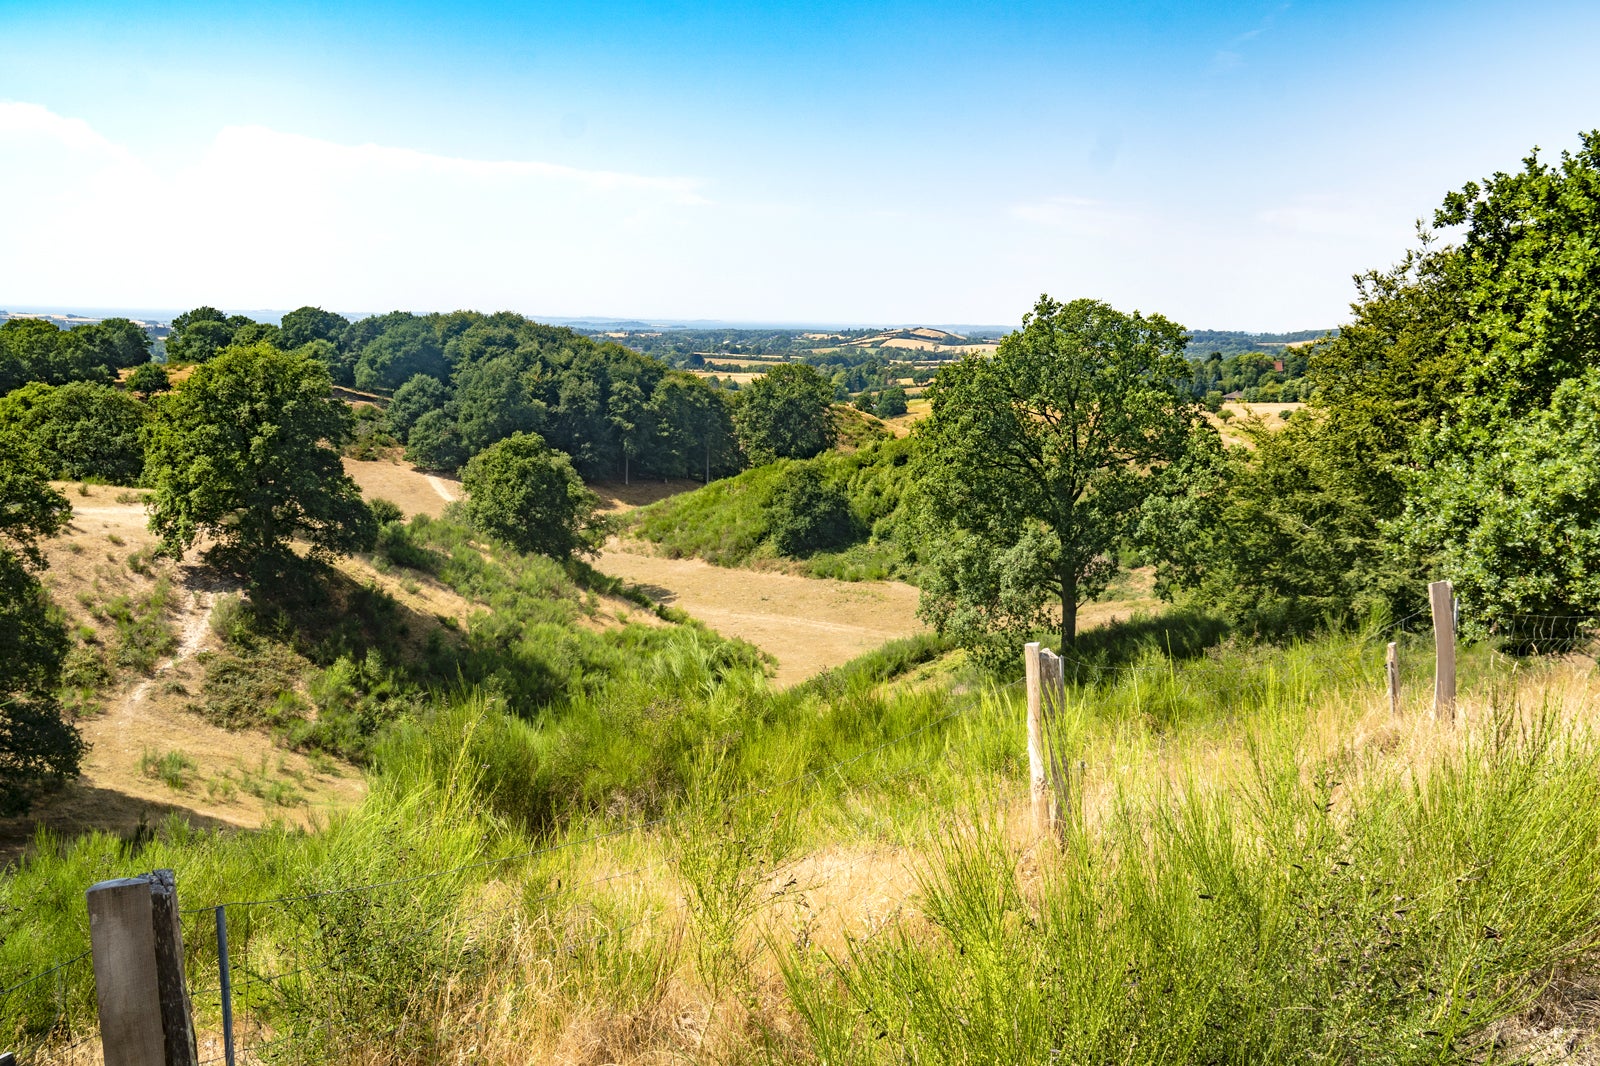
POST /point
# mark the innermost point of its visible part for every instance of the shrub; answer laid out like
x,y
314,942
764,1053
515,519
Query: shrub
x,y
806,514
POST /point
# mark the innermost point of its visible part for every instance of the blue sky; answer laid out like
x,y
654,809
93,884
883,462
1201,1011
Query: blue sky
x,y
1227,164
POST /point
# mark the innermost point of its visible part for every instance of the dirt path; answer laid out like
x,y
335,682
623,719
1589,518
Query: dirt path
x,y
231,778
807,624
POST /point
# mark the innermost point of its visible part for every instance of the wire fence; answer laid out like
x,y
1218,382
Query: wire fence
x,y
299,977
349,970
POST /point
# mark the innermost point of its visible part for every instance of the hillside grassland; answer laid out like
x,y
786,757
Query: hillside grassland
x,y
728,522
1260,864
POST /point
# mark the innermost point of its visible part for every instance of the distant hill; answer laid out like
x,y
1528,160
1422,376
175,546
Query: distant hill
x,y
1203,342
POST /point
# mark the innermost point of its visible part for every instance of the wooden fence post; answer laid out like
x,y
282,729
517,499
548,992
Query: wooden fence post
x,y
1441,598
1036,770
1392,669
136,940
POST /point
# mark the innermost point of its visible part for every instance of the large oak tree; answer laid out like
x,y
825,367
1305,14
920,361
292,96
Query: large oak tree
x,y
1034,464
244,452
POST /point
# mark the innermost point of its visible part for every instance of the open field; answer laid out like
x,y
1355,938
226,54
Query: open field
x,y
808,625
410,489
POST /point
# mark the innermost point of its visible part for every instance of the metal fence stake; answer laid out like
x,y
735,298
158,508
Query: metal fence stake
x,y
225,979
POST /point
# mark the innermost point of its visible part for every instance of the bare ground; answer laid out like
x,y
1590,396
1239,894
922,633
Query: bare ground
x,y
807,624
89,564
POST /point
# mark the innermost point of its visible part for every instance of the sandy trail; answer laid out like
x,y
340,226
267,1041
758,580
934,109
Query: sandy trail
x,y
807,624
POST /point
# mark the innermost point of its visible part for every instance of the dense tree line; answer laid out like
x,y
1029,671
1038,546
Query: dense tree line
x,y
1451,432
33,349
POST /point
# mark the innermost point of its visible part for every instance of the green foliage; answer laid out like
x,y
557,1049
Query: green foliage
x,y
729,522
172,768
304,325
385,511
405,349
148,379
1517,526
1034,465
891,403
81,430
1400,471
412,400
785,414
200,334
144,634
243,451
35,350
529,496
38,749
805,514
434,443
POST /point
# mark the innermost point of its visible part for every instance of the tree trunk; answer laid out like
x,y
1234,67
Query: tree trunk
x,y
1069,608
708,460
624,468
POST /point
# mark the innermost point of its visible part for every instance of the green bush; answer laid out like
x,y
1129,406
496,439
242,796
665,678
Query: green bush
x,y
806,514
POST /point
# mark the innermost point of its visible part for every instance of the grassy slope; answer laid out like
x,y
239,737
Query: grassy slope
x,y
1261,866
725,522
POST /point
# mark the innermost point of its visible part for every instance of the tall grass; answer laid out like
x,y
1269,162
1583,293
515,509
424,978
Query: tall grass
x,y
1336,909
1261,867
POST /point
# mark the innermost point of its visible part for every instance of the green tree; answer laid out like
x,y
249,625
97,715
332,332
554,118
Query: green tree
x,y
81,430
1517,526
38,748
492,402
633,421
1034,464
200,334
245,451
413,400
405,349
806,514
114,344
148,379
1459,349
306,324
528,495
694,427
786,413
891,402
435,443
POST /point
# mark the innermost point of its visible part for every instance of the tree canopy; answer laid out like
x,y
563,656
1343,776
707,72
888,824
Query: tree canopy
x,y
786,413
1034,464
527,494
80,430
244,451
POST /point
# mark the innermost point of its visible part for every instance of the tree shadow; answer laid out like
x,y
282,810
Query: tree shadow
x,y
1176,634
78,808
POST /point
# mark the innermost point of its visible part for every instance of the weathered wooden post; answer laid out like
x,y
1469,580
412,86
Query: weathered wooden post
x,y
136,940
1441,598
1392,668
1036,768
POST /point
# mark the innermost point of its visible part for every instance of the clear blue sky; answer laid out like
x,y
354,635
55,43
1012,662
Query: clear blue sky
x,y
1228,164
